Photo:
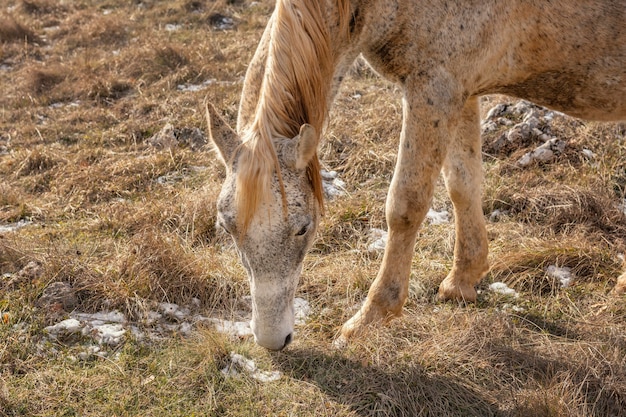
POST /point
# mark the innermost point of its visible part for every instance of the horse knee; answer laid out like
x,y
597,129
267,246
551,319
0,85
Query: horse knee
x,y
462,197
405,213
463,186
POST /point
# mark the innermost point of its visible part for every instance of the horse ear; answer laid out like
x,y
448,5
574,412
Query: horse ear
x,y
304,146
223,137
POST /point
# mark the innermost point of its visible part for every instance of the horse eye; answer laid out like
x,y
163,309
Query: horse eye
x,y
303,231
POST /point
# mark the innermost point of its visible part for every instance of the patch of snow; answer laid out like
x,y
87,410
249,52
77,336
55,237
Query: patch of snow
x,y
232,328
173,311
438,217
563,274
152,317
302,310
378,239
170,27
60,104
111,316
137,333
239,363
204,85
496,215
63,328
12,227
502,288
92,350
111,334
514,308
589,154
170,178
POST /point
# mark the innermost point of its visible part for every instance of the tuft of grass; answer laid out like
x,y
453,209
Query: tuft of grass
x,y
42,80
12,31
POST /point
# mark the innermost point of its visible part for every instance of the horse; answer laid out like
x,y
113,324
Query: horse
x,y
569,55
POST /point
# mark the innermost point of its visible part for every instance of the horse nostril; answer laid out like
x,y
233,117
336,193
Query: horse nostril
x,y
287,340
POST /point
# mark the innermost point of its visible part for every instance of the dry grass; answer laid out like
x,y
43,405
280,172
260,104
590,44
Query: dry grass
x,y
128,225
12,31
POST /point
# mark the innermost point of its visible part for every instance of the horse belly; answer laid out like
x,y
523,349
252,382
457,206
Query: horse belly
x,y
584,94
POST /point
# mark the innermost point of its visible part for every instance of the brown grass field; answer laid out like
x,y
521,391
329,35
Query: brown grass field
x,y
127,221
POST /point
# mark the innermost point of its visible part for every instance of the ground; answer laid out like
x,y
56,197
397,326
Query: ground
x,y
107,192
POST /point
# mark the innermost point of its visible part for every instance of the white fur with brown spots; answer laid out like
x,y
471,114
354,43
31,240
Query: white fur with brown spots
x,y
566,54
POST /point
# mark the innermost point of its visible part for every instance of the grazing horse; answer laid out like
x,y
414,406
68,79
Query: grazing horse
x,y
569,55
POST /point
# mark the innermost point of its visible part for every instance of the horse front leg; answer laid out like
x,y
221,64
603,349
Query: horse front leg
x,y
463,175
422,149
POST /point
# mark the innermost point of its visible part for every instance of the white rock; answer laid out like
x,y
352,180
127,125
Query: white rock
x,y
496,111
488,126
541,154
333,186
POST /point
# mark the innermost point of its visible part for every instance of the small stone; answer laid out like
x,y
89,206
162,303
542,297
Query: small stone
x,y
165,138
170,137
57,295
542,154
497,111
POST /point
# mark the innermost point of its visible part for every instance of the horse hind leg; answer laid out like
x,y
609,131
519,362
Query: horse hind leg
x,y
463,177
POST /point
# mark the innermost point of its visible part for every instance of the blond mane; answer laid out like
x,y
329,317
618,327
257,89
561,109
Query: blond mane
x,y
295,89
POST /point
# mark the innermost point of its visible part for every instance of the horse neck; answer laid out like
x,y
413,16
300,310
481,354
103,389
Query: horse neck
x,y
298,83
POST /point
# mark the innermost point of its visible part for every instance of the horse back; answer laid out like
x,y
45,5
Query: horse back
x,y
566,54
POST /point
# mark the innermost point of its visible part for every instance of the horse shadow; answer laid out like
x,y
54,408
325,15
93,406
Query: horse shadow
x,y
369,390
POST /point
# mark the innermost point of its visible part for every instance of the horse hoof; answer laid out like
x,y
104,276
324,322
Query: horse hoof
x,y
451,292
351,328
367,315
620,287
340,343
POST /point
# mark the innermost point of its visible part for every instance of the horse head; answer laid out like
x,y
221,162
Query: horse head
x,y
273,239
